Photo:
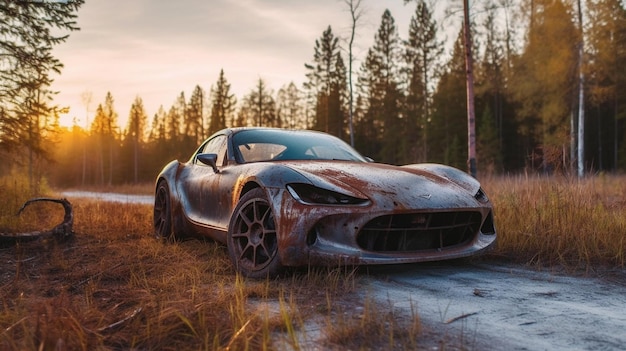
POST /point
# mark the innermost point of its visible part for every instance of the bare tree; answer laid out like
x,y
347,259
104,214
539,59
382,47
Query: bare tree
x,y
355,14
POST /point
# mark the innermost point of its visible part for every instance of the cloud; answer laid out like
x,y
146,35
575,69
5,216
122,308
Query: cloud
x,y
156,49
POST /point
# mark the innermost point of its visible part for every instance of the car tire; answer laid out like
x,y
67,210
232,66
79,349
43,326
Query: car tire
x,y
162,214
252,237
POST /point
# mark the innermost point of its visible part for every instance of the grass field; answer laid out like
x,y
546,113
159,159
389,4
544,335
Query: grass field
x,y
572,223
115,287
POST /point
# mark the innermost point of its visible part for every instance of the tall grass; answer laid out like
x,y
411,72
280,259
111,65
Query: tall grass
x,y
116,287
574,223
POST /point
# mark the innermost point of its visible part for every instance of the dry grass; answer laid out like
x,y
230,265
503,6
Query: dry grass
x,y
115,287
572,223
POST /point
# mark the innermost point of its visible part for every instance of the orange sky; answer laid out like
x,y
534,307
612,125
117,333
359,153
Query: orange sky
x,y
158,49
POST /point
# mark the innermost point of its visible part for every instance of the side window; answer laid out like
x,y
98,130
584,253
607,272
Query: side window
x,y
217,146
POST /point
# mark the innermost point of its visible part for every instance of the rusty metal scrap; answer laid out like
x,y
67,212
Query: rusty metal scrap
x,y
61,231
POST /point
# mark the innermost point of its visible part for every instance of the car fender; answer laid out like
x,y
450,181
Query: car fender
x,y
452,174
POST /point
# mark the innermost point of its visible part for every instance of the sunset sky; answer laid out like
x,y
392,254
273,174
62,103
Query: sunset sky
x,y
158,49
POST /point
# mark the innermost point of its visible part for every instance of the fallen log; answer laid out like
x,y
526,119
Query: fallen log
x,y
61,231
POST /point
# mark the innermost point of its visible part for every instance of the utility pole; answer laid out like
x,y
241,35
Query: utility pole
x,y
471,119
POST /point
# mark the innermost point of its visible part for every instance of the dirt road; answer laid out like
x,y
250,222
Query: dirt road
x,y
509,307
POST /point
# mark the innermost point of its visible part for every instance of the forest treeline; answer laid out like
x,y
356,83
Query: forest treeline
x,y
409,100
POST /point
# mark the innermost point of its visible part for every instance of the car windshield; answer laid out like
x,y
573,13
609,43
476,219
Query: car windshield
x,y
257,145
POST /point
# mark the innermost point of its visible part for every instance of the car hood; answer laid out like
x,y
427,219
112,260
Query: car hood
x,y
416,186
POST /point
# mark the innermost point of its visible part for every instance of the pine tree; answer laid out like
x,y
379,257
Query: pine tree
x,y
327,81
97,133
491,89
422,52
136,133
158,152
289,107
172,128
194,116
260,108
448,129
489,77
157,128
186,141
110,133
488,150
606,40
380,87
30,30
223,105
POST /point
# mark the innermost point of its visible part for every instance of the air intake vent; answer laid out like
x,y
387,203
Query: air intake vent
x,y
419,231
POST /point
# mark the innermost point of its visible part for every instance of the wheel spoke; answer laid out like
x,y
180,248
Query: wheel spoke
x,y
256,208
245,219
264,248
240,235
245,251
265,216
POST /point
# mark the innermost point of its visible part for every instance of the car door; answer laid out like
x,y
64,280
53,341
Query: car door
x,y
199,184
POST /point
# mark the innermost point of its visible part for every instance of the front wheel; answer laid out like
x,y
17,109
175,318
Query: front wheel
x,y
252,239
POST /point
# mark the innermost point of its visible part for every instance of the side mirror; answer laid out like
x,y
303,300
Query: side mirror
x,y
209,160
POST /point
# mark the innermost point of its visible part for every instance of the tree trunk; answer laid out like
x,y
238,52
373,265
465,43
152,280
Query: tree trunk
x,y
471,121
581,97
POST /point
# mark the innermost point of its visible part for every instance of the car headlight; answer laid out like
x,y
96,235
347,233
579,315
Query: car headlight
x,y
312,195
481,196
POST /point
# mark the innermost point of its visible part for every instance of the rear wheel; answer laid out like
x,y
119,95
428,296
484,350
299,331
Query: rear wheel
x,y
252,239
163,213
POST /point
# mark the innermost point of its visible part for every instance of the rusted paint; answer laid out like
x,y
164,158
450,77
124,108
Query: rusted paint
x,y
327,234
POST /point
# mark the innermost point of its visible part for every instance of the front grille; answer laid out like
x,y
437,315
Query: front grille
x,y
419,231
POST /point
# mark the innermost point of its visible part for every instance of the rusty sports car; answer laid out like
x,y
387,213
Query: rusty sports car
x,y
280,198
